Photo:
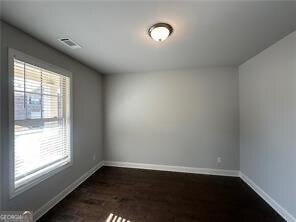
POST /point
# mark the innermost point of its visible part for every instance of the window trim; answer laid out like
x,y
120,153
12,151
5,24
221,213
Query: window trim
x,y
49,172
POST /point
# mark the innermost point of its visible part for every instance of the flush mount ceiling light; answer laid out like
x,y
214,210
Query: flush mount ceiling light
x,y
160,31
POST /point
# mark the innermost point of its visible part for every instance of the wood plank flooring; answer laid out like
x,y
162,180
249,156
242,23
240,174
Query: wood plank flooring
x,y
121,194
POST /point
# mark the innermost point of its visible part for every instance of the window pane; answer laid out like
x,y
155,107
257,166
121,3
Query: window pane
x,y
50,106
19,106
51,83
32,79
38,144
19,70
33,106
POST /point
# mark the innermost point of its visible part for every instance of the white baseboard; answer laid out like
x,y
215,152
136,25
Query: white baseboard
x,y
181,169
50,204
275,205
218,172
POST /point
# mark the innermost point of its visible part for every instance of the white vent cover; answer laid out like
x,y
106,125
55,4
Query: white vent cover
x,y
70,43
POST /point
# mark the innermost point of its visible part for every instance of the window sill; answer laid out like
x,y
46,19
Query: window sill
x,y
38,178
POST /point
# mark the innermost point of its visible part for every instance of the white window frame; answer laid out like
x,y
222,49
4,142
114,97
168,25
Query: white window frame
x,y
50,171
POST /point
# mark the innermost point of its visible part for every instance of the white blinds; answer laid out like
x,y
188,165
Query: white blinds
x,y
42,121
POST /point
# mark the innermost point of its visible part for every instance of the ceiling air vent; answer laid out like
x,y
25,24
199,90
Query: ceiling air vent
x,y
68,42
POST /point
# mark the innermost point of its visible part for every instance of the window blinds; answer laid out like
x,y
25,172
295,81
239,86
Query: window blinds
x,y
41,121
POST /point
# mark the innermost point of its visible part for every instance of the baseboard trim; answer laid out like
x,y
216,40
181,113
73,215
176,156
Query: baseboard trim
x,y
268,199
217,172
181,169
207,171
50,204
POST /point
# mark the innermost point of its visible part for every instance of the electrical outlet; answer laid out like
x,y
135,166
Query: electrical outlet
x,y
219,160
94,157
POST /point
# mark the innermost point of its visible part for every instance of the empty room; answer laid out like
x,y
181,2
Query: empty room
x,y
148,111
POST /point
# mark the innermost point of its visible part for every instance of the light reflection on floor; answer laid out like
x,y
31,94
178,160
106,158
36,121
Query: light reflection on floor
x,y
115,218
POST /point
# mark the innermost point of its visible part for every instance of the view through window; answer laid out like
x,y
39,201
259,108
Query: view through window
x,y
41,122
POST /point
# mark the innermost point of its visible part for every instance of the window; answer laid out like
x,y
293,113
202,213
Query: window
x,y
41,121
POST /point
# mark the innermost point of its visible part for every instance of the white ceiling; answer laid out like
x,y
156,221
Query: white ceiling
x,y
114,38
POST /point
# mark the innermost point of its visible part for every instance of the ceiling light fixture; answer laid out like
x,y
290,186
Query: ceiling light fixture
x,y
160,31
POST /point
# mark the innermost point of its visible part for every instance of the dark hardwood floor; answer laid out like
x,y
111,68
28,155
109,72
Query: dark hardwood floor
x,y
157,196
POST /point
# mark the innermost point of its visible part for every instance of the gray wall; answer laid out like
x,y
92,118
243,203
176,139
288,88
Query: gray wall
x,y
180,118
267,85
87,123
